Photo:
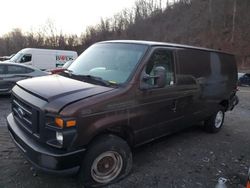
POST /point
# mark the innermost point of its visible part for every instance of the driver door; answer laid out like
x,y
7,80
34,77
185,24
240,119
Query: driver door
x,y
26,59
159,108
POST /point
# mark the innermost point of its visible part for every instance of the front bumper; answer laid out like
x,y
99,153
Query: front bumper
x,y
44,157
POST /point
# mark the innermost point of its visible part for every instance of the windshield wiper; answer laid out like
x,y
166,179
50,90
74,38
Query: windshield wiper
x,y
88,78
97,79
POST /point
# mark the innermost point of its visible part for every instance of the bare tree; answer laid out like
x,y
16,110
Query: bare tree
x,y
211,22
207,23
234,16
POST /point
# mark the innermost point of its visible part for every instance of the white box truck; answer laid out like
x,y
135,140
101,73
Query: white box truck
x,y
44,58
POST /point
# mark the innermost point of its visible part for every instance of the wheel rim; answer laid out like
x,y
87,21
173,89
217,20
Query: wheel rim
x,y
106,167
219,119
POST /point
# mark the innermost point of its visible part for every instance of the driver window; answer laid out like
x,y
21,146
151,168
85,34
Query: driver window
x,y
163,58
26,58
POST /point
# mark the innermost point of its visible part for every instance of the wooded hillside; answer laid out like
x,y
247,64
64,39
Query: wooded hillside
x,y
218,24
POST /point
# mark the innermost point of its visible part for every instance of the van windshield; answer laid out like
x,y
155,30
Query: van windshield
x,y
112,62
16,57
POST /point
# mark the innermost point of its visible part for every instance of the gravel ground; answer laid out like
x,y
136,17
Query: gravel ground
x,y
189,159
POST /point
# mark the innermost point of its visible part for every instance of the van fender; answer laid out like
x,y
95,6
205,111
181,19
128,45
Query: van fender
x,y
117,124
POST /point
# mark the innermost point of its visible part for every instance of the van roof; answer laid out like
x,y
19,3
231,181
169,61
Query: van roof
x,y
42,49
154,43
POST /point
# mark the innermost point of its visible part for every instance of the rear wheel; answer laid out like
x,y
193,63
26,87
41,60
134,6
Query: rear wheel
x,y
107,160
214,123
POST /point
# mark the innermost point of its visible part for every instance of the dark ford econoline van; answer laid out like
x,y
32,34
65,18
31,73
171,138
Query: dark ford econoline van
x,y
117,95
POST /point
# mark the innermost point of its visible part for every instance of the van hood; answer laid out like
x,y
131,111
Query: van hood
x,y
60,91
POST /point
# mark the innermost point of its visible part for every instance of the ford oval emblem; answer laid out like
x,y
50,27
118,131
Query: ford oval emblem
x,y
20,112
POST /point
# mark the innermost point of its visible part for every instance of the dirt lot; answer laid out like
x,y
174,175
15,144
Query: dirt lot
x,y
189,159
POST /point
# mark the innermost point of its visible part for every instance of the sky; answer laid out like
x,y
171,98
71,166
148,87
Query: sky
x,y
68,16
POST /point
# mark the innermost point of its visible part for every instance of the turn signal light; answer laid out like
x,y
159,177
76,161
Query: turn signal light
x,y
248,184
60,122
71,123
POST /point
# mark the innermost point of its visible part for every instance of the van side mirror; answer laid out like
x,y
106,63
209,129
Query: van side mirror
x,y
160,73
156,81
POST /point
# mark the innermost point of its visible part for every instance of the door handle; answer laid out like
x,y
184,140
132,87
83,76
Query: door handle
x,y
174,106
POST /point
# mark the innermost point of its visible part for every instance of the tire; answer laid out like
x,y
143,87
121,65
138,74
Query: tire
x,y
214,123
107,160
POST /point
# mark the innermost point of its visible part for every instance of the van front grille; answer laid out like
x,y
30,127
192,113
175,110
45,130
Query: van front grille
x,y
25,115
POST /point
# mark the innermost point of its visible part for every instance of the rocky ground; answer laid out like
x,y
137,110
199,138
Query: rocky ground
x,y
189,159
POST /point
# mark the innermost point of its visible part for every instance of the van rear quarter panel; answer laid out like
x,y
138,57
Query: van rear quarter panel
x,y
214,72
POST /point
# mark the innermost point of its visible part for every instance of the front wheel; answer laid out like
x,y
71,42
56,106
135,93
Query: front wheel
x,y
214,123
108,159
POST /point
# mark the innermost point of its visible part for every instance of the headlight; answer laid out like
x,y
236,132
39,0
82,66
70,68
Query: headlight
x,y
59,137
